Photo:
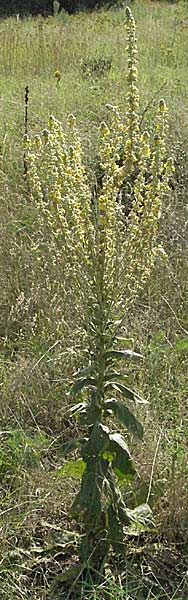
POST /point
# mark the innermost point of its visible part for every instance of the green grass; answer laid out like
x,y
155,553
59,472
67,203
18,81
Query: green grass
x,y
36,540
33,49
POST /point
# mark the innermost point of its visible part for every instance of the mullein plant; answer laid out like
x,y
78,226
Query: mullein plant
x,y
107,258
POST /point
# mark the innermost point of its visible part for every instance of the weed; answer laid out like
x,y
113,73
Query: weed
x,y
35,374
96,67
95,244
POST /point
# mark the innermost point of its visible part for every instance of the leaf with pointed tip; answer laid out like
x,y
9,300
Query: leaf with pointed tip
x,y
71,445
117,323
117,354
82,383
78,408
111,375
72,468
130,394
85,371
122,462
120,388
97,443
118,441
125,417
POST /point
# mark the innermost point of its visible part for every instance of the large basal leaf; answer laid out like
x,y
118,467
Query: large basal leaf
x,y
120,354
125,417
141,519
98,441
122,462
72,468
81,383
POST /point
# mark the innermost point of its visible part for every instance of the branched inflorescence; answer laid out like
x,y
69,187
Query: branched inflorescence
x,y
108,253
120,230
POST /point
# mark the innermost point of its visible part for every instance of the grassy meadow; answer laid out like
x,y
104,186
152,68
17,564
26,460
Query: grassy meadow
x,y
77,64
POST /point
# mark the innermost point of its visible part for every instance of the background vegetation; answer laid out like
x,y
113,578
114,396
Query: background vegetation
x,y
45,7
39,345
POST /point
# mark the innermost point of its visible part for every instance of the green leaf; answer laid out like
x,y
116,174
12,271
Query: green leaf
x,y
72,445
97,443
78,408
72,468
123,467
120,354
108,455
125,417
118,439
81,383
85,371
68,575
122,511
122,462
130,394
111,375
91,413
141,519
115,529
117,323
88,500
124,341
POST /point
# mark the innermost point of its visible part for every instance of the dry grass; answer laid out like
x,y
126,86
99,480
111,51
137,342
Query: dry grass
x,y
35,375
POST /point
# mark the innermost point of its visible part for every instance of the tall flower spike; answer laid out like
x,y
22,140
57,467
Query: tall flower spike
x,y
132,141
